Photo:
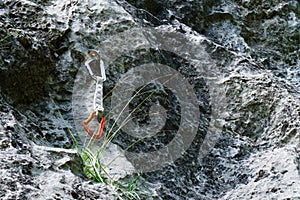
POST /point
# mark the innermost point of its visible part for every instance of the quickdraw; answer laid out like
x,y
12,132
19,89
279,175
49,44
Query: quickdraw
x,y
95,67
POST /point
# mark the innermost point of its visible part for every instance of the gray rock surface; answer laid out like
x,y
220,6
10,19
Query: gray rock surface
x,y
255,48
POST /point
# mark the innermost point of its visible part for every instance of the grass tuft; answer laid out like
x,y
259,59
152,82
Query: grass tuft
x,y
129,187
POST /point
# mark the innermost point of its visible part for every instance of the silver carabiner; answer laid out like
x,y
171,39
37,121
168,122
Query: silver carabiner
x,y
95,65
96,70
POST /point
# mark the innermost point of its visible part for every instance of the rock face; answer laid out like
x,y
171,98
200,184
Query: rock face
x,y
245,73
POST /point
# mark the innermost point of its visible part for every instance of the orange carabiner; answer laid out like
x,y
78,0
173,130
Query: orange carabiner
x,y
101,125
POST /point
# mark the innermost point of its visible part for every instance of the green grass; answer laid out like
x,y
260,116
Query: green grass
x,y
131,188
128,187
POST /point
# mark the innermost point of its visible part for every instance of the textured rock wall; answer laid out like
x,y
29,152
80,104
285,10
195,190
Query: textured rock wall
x,y
255,45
